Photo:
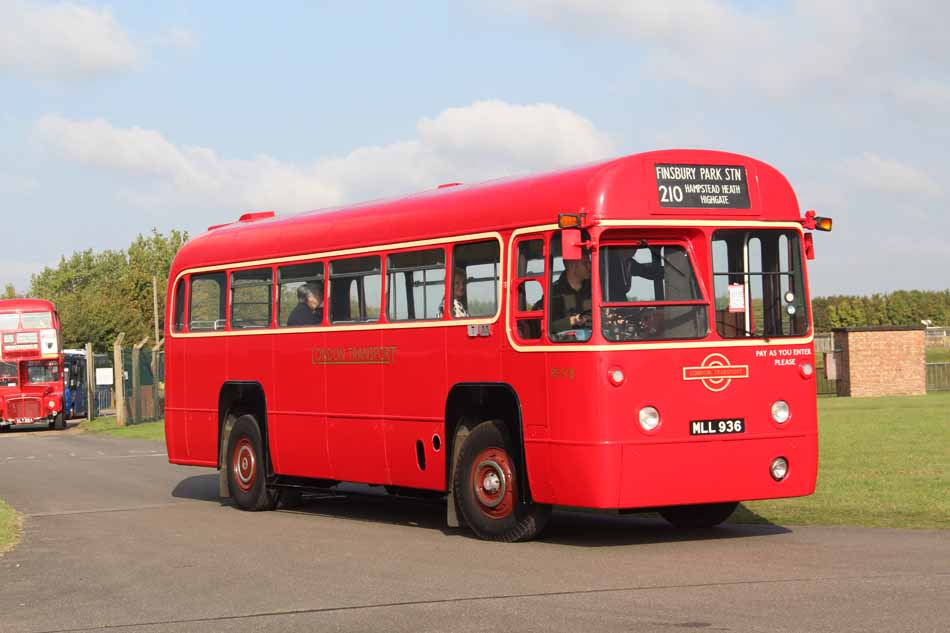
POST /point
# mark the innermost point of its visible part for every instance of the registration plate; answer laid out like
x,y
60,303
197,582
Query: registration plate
x,y
717,427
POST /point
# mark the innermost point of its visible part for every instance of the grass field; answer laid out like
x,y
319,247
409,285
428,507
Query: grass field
x,y
143,431
8,527
884,462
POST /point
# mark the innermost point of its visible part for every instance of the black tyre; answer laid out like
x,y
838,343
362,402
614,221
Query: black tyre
x,y
246,467
699,516
60,422
486,484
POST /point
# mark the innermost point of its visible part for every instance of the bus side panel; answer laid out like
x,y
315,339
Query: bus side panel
x,y
414,404
356,438
175,431
473,359
201,393
527,374
297,420
250,360
588,467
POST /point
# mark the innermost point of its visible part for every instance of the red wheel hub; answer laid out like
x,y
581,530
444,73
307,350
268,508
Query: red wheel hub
x,y
244,464
493,481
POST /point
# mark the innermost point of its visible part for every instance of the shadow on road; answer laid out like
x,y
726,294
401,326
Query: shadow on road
x,y
199,488
567,527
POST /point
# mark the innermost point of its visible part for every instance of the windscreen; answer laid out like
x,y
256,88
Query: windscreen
x,y
649,292
9,321
42,371
36,320
759,284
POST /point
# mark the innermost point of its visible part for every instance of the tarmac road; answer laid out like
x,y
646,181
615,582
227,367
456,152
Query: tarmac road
x,y
115,538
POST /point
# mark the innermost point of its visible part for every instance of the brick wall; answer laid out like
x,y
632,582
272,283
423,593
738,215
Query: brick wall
x,y
881,362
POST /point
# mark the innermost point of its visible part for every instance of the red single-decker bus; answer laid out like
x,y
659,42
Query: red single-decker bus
x,y
628,335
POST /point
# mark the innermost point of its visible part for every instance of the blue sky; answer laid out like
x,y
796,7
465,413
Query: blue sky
x,y
117,118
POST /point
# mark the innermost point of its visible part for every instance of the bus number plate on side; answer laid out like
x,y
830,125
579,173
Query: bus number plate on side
x,y
717,427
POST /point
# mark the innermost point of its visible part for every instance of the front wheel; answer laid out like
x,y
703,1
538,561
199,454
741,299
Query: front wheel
x,y
699,516
60,422
485,487
245,464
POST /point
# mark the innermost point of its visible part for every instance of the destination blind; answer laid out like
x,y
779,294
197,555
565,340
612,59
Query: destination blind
x,y
702,186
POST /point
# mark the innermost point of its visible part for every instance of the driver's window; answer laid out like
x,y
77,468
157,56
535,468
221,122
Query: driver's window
x,y
570,301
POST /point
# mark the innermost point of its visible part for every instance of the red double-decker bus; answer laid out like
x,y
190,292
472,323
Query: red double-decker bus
x,y
31,364
627,335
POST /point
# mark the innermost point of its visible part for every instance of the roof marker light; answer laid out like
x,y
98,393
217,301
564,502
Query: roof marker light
x,y
568,221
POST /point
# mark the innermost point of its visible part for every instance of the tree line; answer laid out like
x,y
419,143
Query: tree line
x,y
100,294
901,307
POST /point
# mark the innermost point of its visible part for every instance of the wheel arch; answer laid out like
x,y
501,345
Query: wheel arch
x,y
238,398
469,404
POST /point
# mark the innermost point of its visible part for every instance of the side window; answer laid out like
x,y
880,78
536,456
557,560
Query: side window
x,y
529,303
206,309
355,289
570,299
178,322
416,285
300,302
475,279
251,298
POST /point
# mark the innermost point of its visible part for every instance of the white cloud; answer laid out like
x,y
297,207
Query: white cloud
x,y
485,140
890,176
63,41
846,46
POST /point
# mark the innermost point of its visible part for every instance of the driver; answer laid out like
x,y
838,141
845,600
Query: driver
x,y
571,296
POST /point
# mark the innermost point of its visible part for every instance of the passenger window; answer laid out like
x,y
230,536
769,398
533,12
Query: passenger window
x,y
300,302
416,285
477,266
178,323
206,309
355,290
251,298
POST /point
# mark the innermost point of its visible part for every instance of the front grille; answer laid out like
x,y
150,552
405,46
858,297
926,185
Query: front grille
x,y
23,408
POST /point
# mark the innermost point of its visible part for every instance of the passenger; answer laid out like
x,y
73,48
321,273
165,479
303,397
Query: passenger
x,y
571,296
459,303
309,310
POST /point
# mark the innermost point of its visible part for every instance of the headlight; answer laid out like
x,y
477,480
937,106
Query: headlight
x,y
52,404
780,411
779,468
649,418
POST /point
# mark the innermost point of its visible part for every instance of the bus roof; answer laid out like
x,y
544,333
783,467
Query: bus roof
x,y
26,305
622,188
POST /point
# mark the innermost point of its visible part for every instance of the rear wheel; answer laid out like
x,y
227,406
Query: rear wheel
x,y
699,516
246,470
485,487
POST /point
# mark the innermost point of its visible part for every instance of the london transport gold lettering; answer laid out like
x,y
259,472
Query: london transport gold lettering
x,y
371,355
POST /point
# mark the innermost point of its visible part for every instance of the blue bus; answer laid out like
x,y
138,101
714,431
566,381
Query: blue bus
x,y
75,400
